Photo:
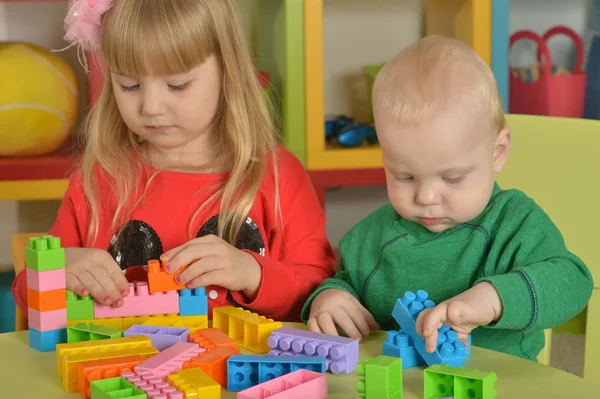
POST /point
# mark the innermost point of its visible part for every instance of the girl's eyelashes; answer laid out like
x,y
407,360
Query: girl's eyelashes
x,y
171,87
129,88
180,87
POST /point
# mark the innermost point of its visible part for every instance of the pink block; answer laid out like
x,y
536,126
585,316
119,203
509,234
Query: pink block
x,y
299,384
47,321
170,360
140,302
46,281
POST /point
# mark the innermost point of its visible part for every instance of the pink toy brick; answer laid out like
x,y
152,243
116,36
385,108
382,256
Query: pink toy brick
x,y
300,384
170,360
341,353
46,281
140,302
153,387
47,321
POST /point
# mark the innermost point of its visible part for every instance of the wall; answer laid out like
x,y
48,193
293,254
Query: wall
x,y
357,33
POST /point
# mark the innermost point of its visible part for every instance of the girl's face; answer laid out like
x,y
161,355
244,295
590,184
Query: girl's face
x,y
172,113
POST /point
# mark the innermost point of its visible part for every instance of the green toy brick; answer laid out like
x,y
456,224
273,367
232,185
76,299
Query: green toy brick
x,y
79,308
460,383
117,387
91,332
382,378
44,254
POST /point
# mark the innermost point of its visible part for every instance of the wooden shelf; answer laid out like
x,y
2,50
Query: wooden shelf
x,y
59,165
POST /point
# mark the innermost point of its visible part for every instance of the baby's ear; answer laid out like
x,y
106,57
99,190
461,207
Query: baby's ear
x,y
502,149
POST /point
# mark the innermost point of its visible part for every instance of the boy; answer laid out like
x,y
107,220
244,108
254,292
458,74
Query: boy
x,y
491,259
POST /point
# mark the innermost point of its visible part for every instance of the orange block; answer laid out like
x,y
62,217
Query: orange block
x,y
214,363
47,300
211,338
161,281
104,368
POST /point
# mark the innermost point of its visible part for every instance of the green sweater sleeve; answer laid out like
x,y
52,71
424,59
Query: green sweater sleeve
x,y
540,282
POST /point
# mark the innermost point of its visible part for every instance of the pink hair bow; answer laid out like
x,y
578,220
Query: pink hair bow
x,y
83,23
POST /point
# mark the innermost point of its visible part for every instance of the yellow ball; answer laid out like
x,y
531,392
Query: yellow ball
x,y
39,100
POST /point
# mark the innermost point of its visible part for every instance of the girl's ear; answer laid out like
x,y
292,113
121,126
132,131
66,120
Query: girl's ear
x,y
502,149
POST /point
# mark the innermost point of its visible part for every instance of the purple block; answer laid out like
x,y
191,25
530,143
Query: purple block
x,y
341,354
161,337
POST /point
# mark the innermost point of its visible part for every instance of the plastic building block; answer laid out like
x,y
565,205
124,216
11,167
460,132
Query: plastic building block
x,y
192,303
46,321
460,383
193,323
64,350
299,384
79,307
341,353
70,363
116,387
44,254
246,371
382,378
248,330
214,363
114,322
104,368
161,281
140,302
46,341
211,338
398,344
91,332
195,383
161,337
44,301
46,281
154,388
449,350
170,360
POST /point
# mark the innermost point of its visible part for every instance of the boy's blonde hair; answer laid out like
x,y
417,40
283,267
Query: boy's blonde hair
x,y
170,37
435,70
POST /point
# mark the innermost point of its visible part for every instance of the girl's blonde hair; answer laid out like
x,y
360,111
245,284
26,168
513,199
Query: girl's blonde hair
x,y
171,37
429,72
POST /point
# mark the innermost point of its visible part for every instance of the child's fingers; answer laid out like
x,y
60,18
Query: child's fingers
x,y
326,324
313,325
428,323
358,318
188,255
371,322
197,269
96,290
346,323
108,284
116,275
212,277
75,286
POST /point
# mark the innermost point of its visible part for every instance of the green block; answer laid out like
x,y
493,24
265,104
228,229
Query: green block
x,y
79,308
382,378
44,254
91,332
460,383
117,387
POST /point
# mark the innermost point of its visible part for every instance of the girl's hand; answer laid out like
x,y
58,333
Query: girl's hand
x,y
333,306
213,261
93,271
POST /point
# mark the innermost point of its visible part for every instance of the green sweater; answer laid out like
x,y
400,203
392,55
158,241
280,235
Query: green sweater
x,y
513,244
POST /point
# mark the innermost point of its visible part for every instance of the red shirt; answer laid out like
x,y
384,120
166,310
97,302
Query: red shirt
x,y
293,251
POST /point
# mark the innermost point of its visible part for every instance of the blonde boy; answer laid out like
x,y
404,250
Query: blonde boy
x,y
491,258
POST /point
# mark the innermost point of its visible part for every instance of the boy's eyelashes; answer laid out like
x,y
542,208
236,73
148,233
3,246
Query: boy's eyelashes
x,y
450,180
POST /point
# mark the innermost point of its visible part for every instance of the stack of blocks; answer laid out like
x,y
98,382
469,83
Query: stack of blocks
x,y
46,293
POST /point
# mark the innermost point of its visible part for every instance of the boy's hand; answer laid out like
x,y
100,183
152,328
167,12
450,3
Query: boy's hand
x,y
339,307
93,271
213,261
477,306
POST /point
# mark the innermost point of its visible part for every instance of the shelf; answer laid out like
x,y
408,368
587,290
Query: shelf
x,y
58,165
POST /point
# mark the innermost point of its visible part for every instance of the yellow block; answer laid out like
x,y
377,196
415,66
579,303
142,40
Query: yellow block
x,y
195,383
70,363
249,330
193,323
114,322
103,345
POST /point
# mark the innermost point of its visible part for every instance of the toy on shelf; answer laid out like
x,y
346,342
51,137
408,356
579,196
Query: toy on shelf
x,y
546,89
348,132
449,350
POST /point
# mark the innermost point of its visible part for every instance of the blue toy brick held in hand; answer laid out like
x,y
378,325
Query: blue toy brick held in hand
x,y
449,350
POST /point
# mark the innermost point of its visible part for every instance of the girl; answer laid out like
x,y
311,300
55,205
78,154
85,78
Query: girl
x,y
182,163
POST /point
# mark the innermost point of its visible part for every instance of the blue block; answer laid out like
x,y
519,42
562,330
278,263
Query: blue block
x,y
449,350
246,371
500,47
46,341
398,344
193,303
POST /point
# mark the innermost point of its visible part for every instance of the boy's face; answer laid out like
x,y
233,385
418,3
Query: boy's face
x,y
441,174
